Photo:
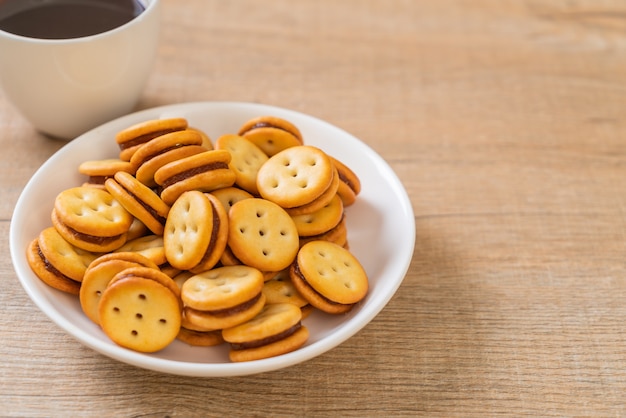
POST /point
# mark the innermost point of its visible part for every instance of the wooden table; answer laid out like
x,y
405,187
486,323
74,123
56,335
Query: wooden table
x,y
505,122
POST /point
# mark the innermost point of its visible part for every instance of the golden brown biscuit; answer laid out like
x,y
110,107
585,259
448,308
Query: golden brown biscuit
x,y
329,277
67,259
320,221
271,134
262,235
100,273
130,139
222,297
97,171
246,160
48,274
196,232
350,184
164,149
205,172
91,219
140,314
274,331
230,195
296,176
139,200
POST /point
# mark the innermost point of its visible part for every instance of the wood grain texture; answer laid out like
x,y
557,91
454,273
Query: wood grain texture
x,y
505,122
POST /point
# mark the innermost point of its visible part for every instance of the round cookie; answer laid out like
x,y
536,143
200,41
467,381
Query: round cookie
x,y
196,232
133,137
320,221
337,235
205,172
150,246
140,314
350,184
262,235
164,149
230,195
222,297
200,338
279,289
274,331
271,134
321,201
98,171
139,200
150,273
91,219
295,176
67,259
48,274
246,160
100,273
329,277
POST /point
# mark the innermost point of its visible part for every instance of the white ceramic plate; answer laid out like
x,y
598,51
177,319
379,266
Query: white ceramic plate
x,y
381,232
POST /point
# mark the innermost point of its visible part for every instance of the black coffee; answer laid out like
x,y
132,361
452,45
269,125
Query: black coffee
x,y
63,19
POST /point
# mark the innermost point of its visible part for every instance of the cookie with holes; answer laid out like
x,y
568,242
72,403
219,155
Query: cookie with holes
x,y
279,289
247,159
296,176
205,172
100,272
139,200
130,139
222,297
98,171
196,232
231,195
139,312
271,134
91,219
262,235
58,263
164,149
329,277
320,221
276,330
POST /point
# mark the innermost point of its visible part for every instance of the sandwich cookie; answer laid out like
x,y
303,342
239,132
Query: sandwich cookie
x,y
139,310
247,159
230,195
320,221
329,277
100,272
349,183
271,134
162,150
296,176
139,200
276,330
222,297
98,171
149,246
130,139
91,219
337,235
279,289
262,235
196,232
58,263
321,201
205,172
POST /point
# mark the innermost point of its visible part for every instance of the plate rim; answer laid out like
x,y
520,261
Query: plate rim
x,y
177,367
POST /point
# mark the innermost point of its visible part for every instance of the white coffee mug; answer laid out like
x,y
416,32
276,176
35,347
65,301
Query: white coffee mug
x,y
65,87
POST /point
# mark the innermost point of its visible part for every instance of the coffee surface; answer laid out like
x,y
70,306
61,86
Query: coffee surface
x,y
63,19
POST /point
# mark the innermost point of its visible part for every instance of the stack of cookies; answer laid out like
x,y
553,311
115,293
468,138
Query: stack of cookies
x,y
231,242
